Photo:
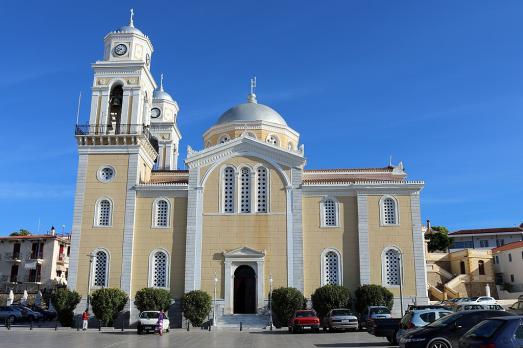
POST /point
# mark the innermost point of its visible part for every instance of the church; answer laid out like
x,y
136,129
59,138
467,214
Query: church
x,y
244,217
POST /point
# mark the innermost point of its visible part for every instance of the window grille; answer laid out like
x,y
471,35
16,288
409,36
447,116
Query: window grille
x,y
100,269
329,212
392,267
228,190
160,270
389,211
245,191
104,213
331,268
162,213
262,190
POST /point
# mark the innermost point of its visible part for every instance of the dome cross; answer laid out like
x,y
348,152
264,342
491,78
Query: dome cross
x,y
131,22
161,82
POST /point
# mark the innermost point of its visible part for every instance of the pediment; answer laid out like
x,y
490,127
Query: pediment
x,y
244,252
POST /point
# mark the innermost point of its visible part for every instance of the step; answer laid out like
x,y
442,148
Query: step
x,y
251,321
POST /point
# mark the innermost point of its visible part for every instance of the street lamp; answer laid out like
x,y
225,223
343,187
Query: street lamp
x,y
214,302
270,301
91,257
400,259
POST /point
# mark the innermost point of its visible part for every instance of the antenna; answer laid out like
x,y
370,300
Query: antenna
x,y
161,82
78,110
390,160
38,228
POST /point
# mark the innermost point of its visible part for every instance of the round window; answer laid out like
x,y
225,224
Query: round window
x,y
105,174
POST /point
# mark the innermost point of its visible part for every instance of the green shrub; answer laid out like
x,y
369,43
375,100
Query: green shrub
x,y
373,295
196,305
107,303
64,302
152,299
330,297
284,302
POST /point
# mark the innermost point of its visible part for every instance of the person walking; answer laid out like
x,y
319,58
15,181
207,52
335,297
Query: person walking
x,y
159,323
85,320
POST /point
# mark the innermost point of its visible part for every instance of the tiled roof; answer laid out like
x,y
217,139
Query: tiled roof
x,y
169,177
509,246
34,236
337,170
488,230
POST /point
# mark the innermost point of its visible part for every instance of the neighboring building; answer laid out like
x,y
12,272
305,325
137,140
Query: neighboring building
x,y
462,273
508,265
245,211
485,238
34,261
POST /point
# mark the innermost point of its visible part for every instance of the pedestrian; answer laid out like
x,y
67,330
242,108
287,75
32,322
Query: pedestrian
x,y
85,319
159,324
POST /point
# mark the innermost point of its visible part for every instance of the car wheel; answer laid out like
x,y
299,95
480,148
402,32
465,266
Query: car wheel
x,y
11,319
439,344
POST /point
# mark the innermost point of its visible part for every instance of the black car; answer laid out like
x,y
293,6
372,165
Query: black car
x,y
506,332
446,332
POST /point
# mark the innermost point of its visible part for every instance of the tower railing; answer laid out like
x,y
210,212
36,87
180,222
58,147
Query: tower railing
x,y
118,129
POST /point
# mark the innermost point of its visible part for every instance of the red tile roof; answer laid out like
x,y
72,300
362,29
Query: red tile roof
x,y
34,236
487,230
509,246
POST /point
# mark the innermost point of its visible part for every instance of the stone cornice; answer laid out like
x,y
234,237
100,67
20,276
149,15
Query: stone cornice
x,y
245,125
128,67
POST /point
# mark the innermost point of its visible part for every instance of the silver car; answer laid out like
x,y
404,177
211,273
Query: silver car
x,y
417,318
340,319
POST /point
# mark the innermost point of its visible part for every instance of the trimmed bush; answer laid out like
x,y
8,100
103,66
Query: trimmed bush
x,y
330,297
373,295
152,299
64,302
196,306
284,302
107,303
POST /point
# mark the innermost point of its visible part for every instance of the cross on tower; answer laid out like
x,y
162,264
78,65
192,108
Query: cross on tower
x,y
131,23
161,82
253,85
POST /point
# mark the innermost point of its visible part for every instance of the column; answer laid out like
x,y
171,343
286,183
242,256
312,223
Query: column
x,y
363,238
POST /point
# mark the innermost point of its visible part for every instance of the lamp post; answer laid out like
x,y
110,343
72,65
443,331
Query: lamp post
x,y
400,259
214,302
91,257
270,301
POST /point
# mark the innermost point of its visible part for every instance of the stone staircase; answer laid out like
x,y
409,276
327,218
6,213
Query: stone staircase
x,y
249,321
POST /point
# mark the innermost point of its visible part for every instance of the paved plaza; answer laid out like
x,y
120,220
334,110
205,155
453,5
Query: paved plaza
x,y
66,338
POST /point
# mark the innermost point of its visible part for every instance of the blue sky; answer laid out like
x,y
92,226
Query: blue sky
x,y
436,84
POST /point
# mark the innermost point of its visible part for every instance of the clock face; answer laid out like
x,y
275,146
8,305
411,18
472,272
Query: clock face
x,y
155,112
120,49
147,59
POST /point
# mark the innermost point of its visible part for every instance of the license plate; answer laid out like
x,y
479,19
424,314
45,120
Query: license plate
x,y
345,321
306,327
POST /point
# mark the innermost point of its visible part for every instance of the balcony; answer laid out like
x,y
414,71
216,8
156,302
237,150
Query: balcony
x,y
12,257
122,134
62,259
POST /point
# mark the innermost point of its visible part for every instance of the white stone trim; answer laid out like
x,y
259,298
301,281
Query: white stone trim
x,y
154,213
150,282
336,212
384,282
340,266
193,246
96,217
363,238
77,221
382,211
418,245
297,229
93,268
99,173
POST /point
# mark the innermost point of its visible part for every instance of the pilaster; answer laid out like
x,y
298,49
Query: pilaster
x,y
418,250
297,228
363,238
194,232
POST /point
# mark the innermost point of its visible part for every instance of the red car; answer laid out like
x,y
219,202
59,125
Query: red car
x,y
304,319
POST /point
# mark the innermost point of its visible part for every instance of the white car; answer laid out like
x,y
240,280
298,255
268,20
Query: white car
x,y
481,300
149,320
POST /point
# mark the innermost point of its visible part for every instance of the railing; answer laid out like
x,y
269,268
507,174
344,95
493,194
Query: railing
x,y
117,129
63,258
12,256
35,256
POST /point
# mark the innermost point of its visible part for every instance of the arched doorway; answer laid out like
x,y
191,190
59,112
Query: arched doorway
x,y
244,290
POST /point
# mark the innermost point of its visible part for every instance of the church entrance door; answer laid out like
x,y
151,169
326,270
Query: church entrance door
x,y
244,290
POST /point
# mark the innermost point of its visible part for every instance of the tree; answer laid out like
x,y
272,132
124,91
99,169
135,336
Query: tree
x,y
373,295
284,302
21,232
64,302
330,297
439,239
196,305
107,303
152,299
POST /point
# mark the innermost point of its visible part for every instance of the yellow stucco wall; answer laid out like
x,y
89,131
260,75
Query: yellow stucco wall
x,y
261,134
259,231
343,238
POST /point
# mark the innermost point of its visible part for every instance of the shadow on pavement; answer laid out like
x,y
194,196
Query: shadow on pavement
x,y
371,344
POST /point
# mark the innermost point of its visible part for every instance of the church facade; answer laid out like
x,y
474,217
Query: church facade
x,y
245,215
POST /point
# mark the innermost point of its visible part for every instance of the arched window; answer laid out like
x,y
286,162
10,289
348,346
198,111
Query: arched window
x,y
481,267
159,270
228,190
161,215
331,268
272,139
391,267
389,211
330,213
115,109
101,265
245,191
262,194
103,212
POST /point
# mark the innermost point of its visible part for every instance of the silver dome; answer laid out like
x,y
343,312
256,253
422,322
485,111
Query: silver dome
x,y
251,111
130,29
161,94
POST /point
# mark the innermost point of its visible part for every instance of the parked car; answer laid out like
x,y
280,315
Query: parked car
x,y
517,308
46,313
304,319
419,318
494,307
421,307
506,332
445,332
468,307
148,321
10,313
482,300
340,319
373,312
384,327
28,313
